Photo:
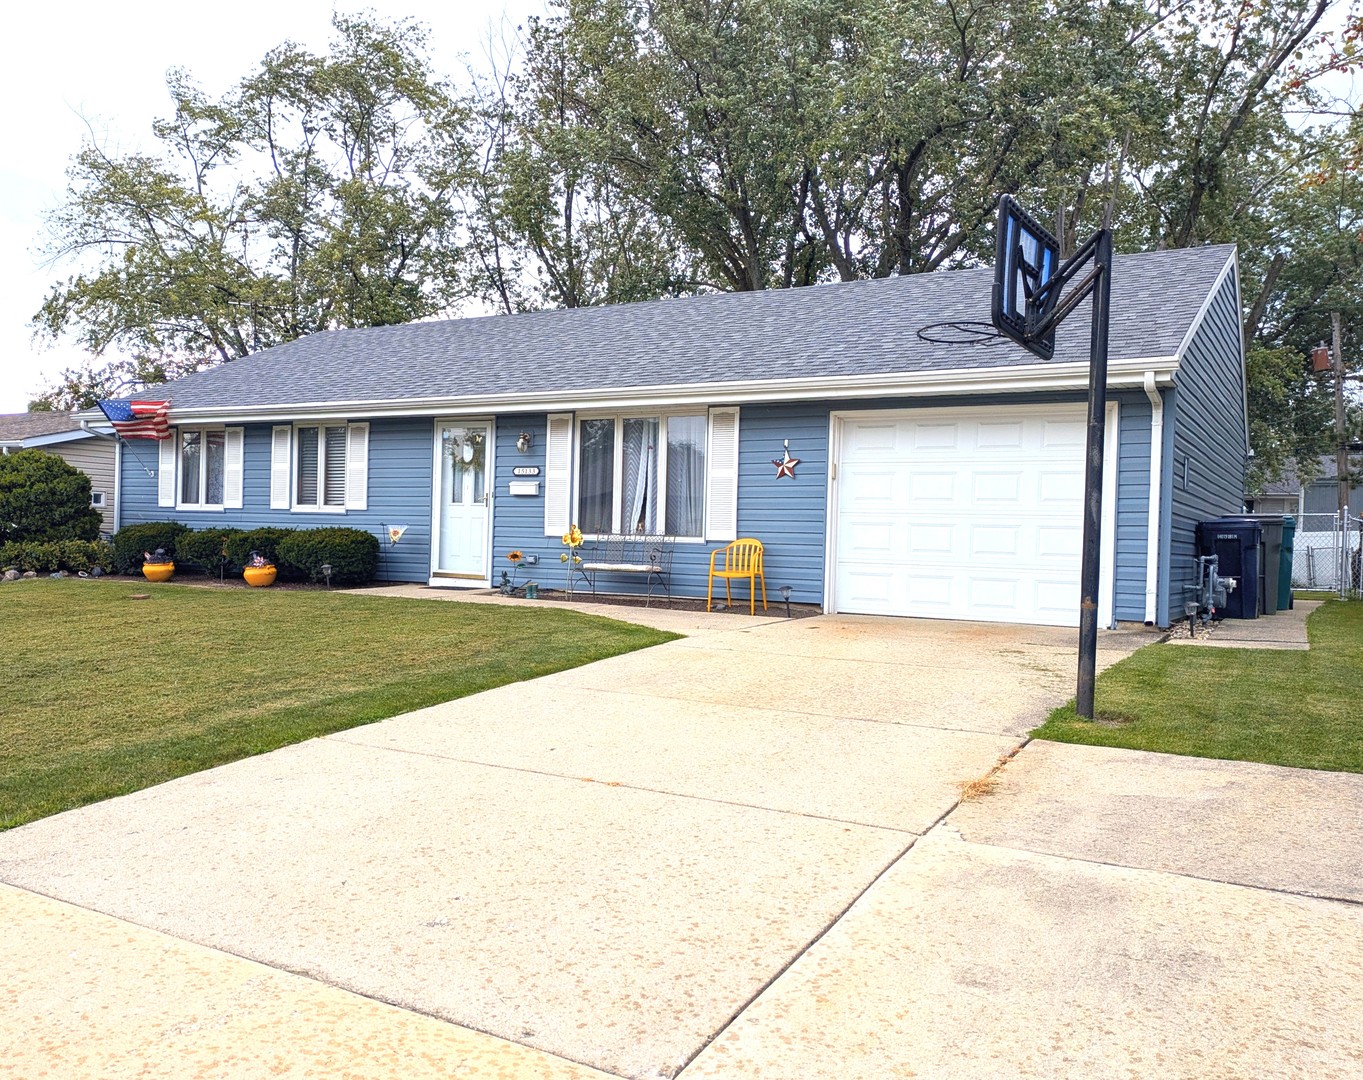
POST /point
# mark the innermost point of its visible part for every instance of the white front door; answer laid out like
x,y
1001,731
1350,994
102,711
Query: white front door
x,y
464,451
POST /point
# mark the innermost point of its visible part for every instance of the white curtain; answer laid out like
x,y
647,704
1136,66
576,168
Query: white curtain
x,y
640,476
685,475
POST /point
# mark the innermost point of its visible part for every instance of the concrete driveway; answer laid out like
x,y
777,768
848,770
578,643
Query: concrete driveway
x,y
705,859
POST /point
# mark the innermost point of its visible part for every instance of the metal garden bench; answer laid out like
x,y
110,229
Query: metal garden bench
x,y
629,553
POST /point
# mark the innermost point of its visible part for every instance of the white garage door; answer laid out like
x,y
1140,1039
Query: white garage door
x,y
968,513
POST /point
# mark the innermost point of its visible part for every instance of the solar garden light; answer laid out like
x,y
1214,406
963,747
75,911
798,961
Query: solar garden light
x,y
326,573
1191,609
784,590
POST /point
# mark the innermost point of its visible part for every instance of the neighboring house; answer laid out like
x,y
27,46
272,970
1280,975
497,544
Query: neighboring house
x,y
1288,495
60,433
936,481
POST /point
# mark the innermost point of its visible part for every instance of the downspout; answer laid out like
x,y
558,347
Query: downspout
x,y
1152,528
118,485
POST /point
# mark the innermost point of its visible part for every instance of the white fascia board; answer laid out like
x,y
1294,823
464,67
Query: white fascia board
x,y
1029,378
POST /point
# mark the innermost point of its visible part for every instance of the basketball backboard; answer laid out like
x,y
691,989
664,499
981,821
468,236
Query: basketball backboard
x,y
1026,257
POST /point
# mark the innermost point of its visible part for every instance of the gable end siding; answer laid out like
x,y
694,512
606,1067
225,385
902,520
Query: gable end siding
x,y
1206,470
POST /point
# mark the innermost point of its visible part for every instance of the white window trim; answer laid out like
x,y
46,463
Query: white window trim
x,y
179,440
97,500
662,414
295,461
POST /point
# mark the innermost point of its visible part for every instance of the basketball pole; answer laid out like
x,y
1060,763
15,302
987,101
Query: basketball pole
x,y
1091,566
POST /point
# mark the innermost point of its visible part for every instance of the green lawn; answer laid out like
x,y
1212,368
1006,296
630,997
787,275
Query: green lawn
x,y
1282,708
104,694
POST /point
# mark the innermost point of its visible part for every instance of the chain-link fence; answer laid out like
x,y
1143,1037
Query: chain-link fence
x,y
1327,553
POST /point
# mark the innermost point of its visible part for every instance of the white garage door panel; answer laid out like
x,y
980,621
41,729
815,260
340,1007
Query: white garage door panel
x,y
972,513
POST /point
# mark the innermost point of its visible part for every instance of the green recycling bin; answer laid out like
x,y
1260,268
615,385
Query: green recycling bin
x,y
1285,568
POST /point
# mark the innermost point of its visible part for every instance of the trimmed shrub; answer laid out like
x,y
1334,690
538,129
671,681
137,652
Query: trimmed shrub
x,y
131,541
352,553
47,557
44,498
264,540
205,549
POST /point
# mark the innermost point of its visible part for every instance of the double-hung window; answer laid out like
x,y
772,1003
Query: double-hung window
x,y
321,466
201,468
202,462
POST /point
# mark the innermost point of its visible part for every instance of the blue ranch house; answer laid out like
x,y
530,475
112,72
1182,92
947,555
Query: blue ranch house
x,y
940,481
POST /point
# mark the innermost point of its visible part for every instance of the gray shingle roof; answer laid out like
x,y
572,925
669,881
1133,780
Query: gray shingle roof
x,y
853,328
15,427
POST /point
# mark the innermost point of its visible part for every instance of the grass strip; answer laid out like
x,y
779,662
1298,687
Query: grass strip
x,y
1278,707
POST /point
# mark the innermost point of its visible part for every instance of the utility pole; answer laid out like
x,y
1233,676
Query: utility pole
x,y
1341,437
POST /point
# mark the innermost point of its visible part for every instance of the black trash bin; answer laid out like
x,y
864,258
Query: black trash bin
x,y
1270,560
1236,541
1285,601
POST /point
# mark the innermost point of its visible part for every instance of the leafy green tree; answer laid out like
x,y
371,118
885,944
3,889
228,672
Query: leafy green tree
x,y
314,194
44,498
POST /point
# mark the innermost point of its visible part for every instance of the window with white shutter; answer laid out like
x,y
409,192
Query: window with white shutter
x,y
558,474
165,469
281,442
721,486
233,463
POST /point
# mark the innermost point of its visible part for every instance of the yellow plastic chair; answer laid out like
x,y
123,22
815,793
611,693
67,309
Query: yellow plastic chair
x,y
742,559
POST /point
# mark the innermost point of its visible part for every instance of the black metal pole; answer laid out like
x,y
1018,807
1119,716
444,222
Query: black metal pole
x,y
1093,479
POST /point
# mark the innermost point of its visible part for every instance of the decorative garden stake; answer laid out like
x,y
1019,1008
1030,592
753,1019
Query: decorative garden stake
x,y
785,466
572,539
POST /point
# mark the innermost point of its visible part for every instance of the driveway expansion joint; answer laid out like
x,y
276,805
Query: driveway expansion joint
x,y
340,737
1348,901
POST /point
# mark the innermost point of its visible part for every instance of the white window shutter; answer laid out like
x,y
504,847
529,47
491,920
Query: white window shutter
x,y
281,442
165,470
721,476
357,467
232,463
558,474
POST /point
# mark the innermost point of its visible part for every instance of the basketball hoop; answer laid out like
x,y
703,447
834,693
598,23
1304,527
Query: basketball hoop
x,y
961,332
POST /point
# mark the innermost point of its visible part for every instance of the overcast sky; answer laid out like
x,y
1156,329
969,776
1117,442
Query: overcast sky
x,y
67,62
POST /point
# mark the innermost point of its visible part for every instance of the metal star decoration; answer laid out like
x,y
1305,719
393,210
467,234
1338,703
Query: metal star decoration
x,y
785,466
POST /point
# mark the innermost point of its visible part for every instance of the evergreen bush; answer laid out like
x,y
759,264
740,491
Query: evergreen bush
x,y
352,553
44,498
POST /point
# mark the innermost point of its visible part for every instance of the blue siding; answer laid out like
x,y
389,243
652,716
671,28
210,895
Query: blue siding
x,y
1133,502
1209,437
787,516
518,520
400,453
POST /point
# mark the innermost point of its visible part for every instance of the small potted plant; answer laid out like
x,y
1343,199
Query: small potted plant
x,y
258,571
157,565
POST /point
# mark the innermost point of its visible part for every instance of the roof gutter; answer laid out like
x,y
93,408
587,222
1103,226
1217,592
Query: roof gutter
x,y
1030,378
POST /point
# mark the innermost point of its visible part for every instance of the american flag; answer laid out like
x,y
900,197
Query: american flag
x,y
138,419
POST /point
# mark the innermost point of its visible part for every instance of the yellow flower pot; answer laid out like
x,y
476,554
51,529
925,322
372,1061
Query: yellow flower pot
x,y
158,571
259,576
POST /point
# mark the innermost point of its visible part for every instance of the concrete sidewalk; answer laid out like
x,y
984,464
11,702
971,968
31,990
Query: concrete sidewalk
x,y
1285,630
739,854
